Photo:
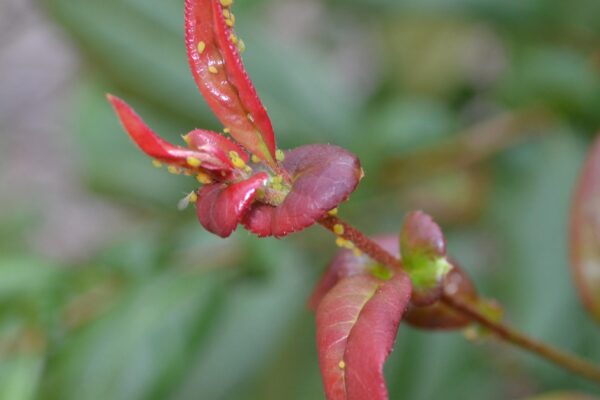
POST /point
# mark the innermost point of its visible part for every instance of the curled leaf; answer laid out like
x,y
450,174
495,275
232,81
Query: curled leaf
x,y
220,207
423,249
218,70
585,232
208,154
322,177
357,322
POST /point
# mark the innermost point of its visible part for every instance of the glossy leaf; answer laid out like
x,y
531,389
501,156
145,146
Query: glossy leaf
x,y
207,152
220,206
357,322
218,70
323,176
585,232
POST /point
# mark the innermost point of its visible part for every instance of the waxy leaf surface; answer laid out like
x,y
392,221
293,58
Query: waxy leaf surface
x,y
322,177
357,322
585,232
218,70
220,207
208,154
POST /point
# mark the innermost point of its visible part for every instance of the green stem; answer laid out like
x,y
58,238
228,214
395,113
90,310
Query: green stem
x,y
501,330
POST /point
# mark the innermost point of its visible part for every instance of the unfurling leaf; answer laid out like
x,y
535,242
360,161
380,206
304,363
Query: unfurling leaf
x,y
213,54
435,316
322,177
585,232
423,249
357,322
221,207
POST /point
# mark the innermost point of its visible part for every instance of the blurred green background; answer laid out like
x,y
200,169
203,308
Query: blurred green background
x,y
477,111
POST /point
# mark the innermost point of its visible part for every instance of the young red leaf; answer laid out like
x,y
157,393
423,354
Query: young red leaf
x,y
218,70
322,177
346,264
209,154
215,144
585,232
357,322
423,249
220,207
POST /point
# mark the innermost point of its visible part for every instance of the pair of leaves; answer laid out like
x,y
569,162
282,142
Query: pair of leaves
x,y
317,177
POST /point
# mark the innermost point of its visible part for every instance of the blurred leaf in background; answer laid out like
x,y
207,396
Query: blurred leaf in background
x,y
107,291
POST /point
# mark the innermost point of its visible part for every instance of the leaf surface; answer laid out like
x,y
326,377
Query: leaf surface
x,y
322,176
357,322
218,70
585,232
220,206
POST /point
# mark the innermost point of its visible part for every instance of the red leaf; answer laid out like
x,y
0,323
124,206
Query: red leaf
x,y
435,316
153,145
357,322
346,264
323,176
220,75
585,232
220,207
215,144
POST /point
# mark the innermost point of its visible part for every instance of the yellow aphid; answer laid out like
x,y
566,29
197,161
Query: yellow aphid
x,y
226,3
173,170
201,47
234,38
338,229
349,245
247,169
277,179
342,364
236,160
357,252
333,212
230,21
241,46
203,178
226,130
340,242
193,197
255,159
190,198
280,155
193,162
186,139
226,13
212,69
156,163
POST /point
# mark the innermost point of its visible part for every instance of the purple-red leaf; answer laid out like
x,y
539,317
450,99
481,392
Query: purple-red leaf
x,y
210,154
357,322
322,177
435,316
220,207
218,70
585,232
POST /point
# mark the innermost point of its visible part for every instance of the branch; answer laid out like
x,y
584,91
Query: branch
x,y
501,330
